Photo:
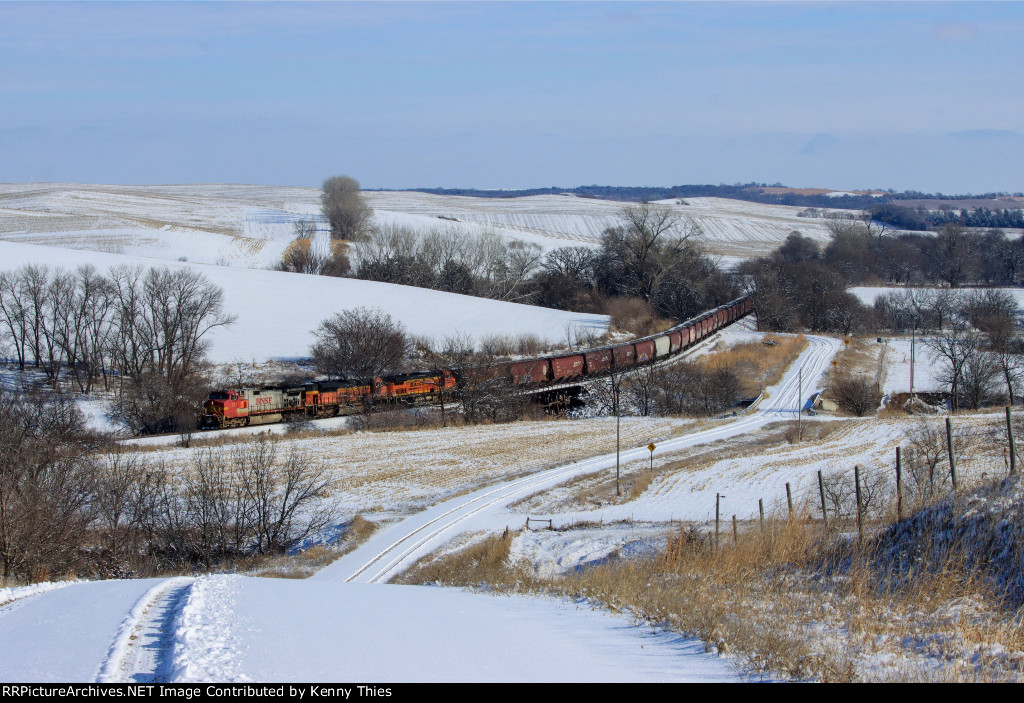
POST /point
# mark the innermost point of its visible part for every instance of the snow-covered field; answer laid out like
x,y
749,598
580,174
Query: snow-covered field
x,y
249,226
232,233
330,628
927,372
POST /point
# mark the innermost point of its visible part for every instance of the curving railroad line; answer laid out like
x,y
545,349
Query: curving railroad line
x,y
399,546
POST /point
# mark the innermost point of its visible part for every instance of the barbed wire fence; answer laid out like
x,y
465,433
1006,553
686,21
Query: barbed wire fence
x,y
935,460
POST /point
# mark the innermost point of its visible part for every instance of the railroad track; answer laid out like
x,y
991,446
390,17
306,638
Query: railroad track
x,y
399,546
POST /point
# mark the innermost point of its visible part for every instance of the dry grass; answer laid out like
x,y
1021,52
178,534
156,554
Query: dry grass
x,y
307,562
419,466
634,316
857,357
857,373
482,562
758,363
599,490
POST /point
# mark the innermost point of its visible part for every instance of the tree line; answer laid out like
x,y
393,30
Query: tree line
x,y
775,193
803,286
921,218
72,503
971,336
141,333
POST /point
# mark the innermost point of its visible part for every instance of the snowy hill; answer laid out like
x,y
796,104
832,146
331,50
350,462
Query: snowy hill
x,y
277,312
247,225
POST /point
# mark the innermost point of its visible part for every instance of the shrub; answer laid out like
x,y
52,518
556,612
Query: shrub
x,y
856,394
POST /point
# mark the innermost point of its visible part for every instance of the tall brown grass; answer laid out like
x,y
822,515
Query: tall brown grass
x,y
635,316
307,562
482,562
758,363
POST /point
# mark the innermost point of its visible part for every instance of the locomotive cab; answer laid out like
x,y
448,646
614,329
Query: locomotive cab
x,y
223,409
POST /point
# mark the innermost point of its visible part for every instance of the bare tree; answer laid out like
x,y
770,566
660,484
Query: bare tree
x,y
46,481
84,328
1009,359
285,495
131,347
345,209
954,258
178,309
980,373
640,390
360,343
119,514
858,394
952,351
304,228
926,460
694,389
34,282
646,246
841,492
149,403
14,309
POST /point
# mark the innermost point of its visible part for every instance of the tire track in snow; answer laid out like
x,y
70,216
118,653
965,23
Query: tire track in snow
x,y
143,650
413,539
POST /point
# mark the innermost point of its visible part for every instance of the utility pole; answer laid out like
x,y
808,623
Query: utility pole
x,y
616,383
913,341
800,403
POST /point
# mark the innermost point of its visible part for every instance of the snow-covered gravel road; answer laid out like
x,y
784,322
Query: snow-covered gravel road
x,y
240,629
399,546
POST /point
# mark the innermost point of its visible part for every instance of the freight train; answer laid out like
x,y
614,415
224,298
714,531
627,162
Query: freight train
x,y
257,406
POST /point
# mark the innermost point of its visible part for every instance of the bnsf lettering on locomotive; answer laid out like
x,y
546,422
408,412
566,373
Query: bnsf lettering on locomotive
x,y
262,401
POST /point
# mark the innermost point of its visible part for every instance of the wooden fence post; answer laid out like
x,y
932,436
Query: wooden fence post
x,y
735,532
949,448
760,508
824,510
899,485
860,509
717,500
789,499
1013,451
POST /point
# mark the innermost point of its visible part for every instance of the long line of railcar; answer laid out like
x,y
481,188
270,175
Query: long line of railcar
x,y
257,406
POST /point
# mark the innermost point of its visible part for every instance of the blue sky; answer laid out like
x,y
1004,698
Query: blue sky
x,y
916,95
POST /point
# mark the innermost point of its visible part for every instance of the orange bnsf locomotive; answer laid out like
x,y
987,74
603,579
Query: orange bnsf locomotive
x,y
260,406
257,406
